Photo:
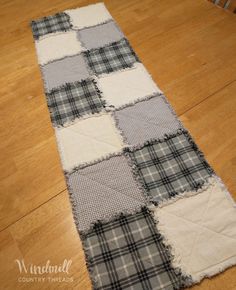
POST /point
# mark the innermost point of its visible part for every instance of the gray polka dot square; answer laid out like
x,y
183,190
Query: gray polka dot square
x,y
102,190
99,36
67,70
147,120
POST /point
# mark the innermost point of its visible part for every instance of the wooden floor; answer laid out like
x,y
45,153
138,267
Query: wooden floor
x,y
188,46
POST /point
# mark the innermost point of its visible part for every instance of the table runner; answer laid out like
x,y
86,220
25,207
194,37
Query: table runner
x,y
149,209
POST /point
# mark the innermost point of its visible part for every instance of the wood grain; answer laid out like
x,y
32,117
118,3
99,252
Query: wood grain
x,y
189,48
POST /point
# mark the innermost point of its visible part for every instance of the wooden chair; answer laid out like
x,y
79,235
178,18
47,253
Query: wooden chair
x,y
226,4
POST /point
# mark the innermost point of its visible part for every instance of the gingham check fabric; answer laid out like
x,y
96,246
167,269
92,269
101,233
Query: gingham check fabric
x,y
73,101
49,24
128,253
118,55
170,167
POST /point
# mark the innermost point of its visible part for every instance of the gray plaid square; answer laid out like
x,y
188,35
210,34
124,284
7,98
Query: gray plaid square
x,y
128,253
49,24
118,55
171,166
73,100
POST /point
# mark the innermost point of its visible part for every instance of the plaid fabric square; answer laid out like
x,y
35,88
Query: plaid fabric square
x,y
73,101
128,253
50,24
118,55
171,166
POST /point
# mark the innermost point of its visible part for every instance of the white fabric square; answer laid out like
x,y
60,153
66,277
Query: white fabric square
x,y
127,86
57,45
87,140
89,16
201,230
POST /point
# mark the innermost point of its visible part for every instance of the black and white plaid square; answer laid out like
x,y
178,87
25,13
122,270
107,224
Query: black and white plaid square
x,y
170,167
128,253
118,55
49,24
74,100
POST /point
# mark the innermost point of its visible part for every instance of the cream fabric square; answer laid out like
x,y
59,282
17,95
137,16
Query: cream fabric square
x,y
58,45
89,16
127,86
201,230
87,140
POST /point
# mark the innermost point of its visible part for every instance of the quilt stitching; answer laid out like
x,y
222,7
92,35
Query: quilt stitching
x,y
201,227
95,139
109,187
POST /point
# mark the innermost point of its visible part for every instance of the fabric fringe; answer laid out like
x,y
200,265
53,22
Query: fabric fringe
x,y
185,278
64,86
84,116
110,218
142,99
188,193
125,141
171,109
84,234
97,25
154,141
197,188
74,27
175,259
128,68
93,162
216,270
78,119
180,131
138,180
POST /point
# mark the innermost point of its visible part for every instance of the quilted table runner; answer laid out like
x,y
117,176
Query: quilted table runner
x,y
150,210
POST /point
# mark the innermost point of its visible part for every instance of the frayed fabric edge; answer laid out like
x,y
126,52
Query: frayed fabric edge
x,y
187,193
174,257
103,75
99,46
83,235
180,131
197,188
185,280
132,103
79,119
215,270
200,187
138,180
155,95
50,33
41,65
93,162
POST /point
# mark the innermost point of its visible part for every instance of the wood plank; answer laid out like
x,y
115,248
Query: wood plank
x,y
213,124
48,233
